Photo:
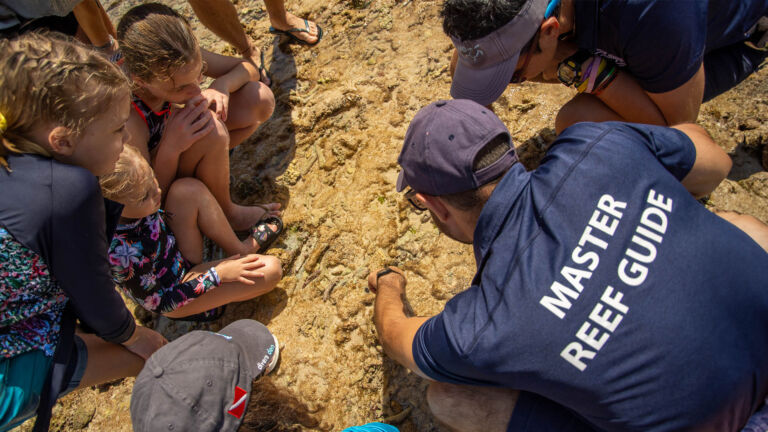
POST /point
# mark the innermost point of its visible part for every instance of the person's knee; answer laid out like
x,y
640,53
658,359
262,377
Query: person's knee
x,y
273,270
185,187
263,101
437,397
218,138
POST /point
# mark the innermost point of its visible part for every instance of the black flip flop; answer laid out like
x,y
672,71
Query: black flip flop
x,y
263,233
292,38
263,73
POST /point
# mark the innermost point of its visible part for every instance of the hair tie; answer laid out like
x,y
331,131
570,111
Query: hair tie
x,y
3,123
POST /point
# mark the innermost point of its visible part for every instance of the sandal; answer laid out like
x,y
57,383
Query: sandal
x,y
292,38
263,233
263,72
207,316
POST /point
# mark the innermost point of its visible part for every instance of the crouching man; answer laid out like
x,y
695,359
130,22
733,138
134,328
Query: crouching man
x,y
605,293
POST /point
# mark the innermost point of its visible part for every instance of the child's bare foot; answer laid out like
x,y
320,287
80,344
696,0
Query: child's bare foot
x,y
243,217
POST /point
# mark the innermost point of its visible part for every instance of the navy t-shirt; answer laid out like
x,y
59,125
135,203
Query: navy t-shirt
x,y
663,42
604,286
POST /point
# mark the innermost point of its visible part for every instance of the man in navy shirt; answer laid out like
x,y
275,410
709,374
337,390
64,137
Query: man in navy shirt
x,y
671,55
604,291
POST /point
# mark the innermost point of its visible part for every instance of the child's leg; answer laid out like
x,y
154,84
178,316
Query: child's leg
x,y
249,107
229,292
107,361
208,160
194,213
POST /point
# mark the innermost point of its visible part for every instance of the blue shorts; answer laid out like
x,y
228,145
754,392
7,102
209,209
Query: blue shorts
x,y
724,68
22,378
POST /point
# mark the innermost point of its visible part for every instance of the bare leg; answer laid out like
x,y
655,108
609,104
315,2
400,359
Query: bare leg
x,y
750,225
284,20
208,160
229,292
220,17
583,107
196,213
90,17
107,361
249,107
470,408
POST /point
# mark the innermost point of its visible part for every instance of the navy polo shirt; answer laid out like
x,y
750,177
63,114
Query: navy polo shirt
x,y
663,42
604,286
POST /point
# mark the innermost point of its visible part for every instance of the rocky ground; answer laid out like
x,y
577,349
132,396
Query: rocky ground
x,y
328,154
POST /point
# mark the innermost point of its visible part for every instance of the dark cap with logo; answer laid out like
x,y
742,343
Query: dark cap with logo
x,y
486,65
202,380
442,143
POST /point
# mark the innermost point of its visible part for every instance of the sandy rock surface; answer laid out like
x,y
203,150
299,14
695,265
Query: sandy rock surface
x,y
329,155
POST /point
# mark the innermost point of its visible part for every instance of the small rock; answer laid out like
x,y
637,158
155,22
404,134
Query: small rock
x,y
82,416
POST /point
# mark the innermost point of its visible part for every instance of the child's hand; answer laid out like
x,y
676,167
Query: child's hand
x,y
144,342
187,125
243,270
218,101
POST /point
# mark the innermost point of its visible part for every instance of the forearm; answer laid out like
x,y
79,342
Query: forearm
x,y
627,99
395,329
165,164
237,77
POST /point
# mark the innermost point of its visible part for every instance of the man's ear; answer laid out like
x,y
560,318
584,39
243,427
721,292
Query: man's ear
x,y
61,141
436,205
548,33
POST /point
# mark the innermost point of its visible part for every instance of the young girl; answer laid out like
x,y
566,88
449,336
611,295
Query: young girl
x,y
162,57
162,271
63,110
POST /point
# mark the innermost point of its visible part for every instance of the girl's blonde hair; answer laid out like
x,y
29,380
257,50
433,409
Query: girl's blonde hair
x,y
155,41
49,79
131,179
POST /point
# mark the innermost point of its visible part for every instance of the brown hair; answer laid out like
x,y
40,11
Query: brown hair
x,y
475,199
155,41
275,409
129,182
49,79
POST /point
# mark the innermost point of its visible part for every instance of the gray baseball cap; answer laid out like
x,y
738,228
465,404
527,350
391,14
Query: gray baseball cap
x,y
442,143
487,64
202,380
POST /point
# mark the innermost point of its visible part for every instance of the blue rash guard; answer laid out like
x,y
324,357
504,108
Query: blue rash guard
x,y
606,291
664,42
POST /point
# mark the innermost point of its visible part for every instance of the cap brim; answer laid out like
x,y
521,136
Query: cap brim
x,y
256,342
483,86
401,184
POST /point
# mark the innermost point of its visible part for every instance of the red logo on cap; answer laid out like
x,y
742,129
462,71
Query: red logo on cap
x,y
238,405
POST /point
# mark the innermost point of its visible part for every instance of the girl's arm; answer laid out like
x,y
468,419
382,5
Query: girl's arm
x,y
230,73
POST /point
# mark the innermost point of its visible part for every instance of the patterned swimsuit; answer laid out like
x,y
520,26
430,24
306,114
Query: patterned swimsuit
x,y
148,266
31,302
155,121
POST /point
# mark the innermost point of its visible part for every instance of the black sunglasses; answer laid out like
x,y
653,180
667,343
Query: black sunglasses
x,y
410,195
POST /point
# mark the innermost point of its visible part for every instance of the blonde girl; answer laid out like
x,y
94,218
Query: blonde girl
x,y
165,63
156,256
63,110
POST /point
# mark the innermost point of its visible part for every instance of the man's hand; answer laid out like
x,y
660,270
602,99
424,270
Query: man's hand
x,y
144,342
390,277
242,270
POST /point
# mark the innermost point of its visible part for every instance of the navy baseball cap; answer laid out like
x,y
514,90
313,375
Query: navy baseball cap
x,y
441,146
486,65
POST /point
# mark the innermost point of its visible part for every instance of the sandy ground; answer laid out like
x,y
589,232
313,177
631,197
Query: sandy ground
x,y
329,156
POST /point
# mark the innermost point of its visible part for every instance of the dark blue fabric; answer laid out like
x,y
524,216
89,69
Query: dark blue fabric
x,y
689,351
57,211
664,42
